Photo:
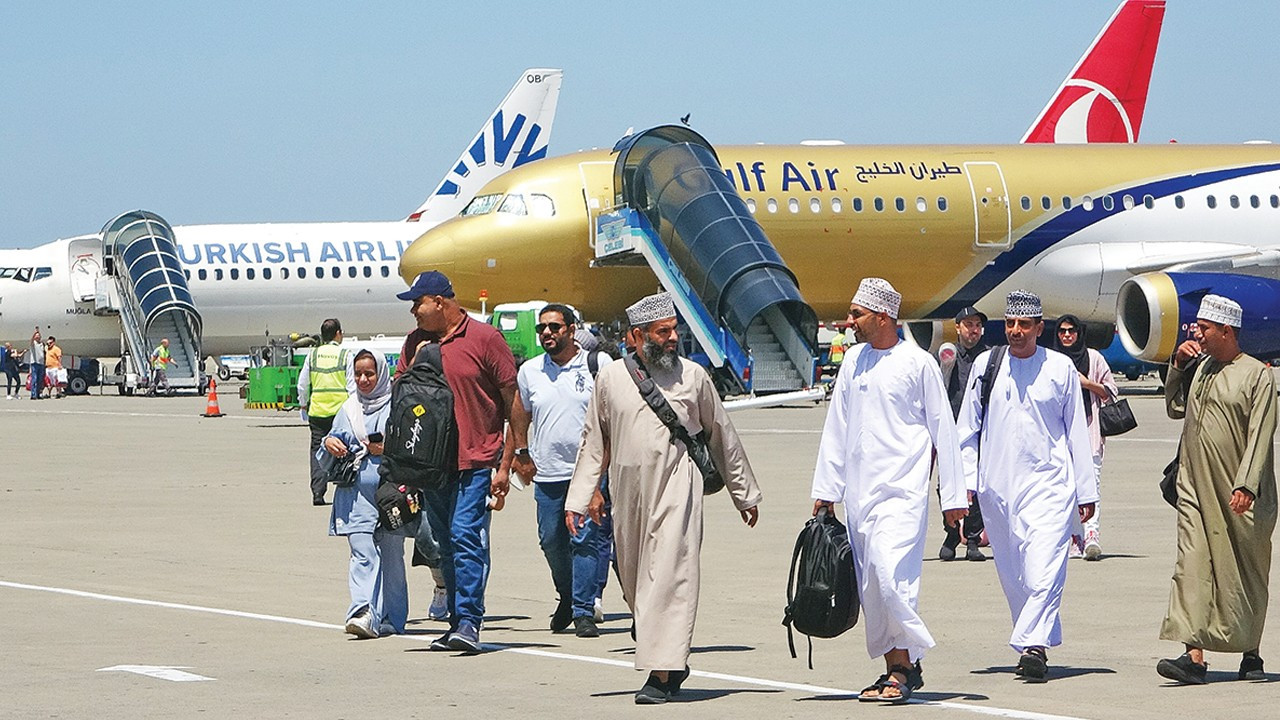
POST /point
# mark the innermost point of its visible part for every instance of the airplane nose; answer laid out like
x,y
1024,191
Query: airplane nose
x,y
430,252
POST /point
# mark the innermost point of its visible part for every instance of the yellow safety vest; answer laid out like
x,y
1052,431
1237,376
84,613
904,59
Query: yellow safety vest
x,y
837,348
328,380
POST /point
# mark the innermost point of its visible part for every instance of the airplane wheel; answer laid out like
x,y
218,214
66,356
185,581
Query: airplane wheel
x,y
77,386
224,373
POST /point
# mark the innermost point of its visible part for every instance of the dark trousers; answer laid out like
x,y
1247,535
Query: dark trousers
x,y
12,383
971,525
320,426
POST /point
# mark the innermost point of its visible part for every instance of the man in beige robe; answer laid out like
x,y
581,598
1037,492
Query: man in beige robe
x,y
1226,497
656,490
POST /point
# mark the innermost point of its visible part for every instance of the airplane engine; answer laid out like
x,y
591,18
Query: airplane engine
x,y
927,334
1155,311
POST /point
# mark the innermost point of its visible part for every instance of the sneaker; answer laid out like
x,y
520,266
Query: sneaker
x,y
1077,547
1092,548
973,554
1033,665
946,553
386,629
1251,667
439,609
1183,669
585,627
361,625
562,617
597,611
466,638
443,642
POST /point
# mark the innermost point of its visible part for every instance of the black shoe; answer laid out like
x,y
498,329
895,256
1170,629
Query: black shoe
x,y
1251,667
1033,665
441,643
585,627
1183,669
973,553
562,617
676,679
654,692
947,552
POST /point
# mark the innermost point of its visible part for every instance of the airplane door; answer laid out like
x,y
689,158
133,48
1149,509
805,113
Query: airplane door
x,y
991,213
84,262
597,188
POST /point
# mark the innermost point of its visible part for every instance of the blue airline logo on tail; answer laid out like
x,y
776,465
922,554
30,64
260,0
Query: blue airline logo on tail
x,y
504,139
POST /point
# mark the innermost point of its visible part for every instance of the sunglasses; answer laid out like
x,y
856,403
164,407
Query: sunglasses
x,y
553,327
1067,331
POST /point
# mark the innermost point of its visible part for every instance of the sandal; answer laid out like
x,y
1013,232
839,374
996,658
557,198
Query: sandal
x,y
914,680
874,688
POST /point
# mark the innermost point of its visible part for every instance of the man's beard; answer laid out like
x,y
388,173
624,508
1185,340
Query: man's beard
x,y
656,357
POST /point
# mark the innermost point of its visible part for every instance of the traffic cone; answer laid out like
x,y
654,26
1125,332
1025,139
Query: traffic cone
x,y
211,410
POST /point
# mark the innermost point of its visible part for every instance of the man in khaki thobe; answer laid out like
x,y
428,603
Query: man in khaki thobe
x,y
1226,496
656,489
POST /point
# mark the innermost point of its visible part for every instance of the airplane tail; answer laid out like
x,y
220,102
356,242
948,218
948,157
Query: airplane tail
x,y
518,132
1104,96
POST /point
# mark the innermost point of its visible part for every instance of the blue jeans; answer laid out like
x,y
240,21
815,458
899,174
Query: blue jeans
x,y
574,559
36,373
605,542
459,518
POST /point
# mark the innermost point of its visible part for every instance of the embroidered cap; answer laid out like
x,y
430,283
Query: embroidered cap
x,y
1221,310
651,308
1022,304
877,295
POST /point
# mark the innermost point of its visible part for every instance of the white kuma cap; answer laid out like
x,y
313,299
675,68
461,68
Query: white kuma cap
x,y
1022,304
650,309
877,295
1224,311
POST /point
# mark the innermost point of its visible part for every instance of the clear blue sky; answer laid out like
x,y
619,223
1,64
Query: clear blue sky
x,y
324,111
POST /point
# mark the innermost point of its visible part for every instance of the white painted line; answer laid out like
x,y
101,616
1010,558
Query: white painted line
x,y
163,672
741,679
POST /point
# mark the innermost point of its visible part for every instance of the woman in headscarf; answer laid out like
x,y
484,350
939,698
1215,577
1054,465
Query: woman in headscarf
x,y
1098,387
379,591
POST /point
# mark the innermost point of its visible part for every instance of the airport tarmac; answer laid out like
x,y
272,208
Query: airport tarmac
x,y
147,548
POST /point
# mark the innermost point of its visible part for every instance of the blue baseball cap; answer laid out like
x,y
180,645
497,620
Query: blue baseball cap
x,y
431,282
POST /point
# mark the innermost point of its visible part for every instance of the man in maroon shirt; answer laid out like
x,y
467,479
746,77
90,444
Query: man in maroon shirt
x,y
481,372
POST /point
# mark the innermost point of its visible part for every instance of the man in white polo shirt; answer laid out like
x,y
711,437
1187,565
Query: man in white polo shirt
x,y
552,403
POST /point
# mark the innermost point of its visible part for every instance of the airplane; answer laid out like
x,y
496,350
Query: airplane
x,y
1104,96
1130,235
254,281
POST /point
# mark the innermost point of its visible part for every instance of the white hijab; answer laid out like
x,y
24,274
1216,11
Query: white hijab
x,y
359,405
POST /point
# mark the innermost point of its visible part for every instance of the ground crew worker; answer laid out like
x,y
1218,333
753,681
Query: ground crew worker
x,y
160,359
326,379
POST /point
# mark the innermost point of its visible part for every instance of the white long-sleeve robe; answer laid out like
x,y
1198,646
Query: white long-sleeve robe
x,y
1036,467
888,412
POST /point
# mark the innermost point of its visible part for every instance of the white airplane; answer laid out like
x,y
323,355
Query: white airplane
x,y
252,281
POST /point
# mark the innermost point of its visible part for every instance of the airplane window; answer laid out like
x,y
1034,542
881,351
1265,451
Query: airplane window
x,y
1212,201
900,204
368,271
1087,202
249,274
836,205
1254,202
1066,202
1178,202
1149,202
1108,203
1127,201
386,271
1046,203
1275,201
42,273
771,205
217,273
751,205
514,205
24,275
481,204
857,204
815,205
235,273
793,205
942,204
541,205
202,274
284,274
1026,203
335,272
302,273
921,204
319,273
8,272
187,274
1235,201
352,271
879,204
266,273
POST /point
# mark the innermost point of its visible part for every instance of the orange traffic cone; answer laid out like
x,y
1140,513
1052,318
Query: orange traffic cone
x,y
211,410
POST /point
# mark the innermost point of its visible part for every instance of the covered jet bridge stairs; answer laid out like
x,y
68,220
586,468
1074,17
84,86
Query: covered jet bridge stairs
x,y
144,282
675,210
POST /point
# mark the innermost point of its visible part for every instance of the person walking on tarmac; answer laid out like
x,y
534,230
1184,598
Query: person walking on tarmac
x,y
327,378
35,364
160,359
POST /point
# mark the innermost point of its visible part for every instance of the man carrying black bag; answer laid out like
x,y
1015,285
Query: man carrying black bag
x,y
888,413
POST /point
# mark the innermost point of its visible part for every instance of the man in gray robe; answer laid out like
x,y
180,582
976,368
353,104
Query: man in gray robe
x,y
1226,496
657,492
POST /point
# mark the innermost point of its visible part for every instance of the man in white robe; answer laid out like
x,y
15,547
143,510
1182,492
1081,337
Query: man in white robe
x,y
1031,463
656,489
888,412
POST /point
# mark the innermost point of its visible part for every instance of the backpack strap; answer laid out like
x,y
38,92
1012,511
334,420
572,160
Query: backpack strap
x,y
994,362
791,584
593,364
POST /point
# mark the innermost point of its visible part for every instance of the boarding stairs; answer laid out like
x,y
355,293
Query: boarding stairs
x,y
675,210
149,290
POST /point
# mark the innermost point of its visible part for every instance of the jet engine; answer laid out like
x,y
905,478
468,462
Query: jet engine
x,y
1156,311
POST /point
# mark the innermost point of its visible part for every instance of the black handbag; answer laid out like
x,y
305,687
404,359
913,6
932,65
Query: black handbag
x,y
341,471
398,505
1116,418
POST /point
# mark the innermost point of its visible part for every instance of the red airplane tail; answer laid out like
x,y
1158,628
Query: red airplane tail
x,y
1104,96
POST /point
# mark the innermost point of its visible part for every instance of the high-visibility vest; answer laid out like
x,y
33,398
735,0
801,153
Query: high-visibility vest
x,y
328,380
837,348
160,358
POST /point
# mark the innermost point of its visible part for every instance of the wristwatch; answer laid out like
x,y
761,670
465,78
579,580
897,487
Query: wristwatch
x,y
522,451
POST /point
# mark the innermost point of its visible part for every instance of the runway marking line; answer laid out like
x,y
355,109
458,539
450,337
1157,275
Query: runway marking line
x,y
740,679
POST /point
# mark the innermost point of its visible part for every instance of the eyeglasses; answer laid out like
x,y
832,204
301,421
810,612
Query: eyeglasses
x,y
1067,331
553,327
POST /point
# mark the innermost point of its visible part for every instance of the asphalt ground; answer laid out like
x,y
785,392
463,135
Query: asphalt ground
x,y
137,533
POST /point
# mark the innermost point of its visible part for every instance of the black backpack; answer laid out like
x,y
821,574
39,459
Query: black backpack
x,y
421,446
822,590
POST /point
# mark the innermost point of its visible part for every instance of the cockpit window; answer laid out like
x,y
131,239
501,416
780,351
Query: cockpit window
x,y
42,273
481,204
541,206
514,205
27,274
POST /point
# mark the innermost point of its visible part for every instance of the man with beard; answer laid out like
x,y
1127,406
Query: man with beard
x,y
1026,453
546,426
656,490
969,345
888,413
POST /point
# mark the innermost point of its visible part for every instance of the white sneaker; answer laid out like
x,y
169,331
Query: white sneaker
x,y
439,609
361,625
598,611
1092,548
1077,549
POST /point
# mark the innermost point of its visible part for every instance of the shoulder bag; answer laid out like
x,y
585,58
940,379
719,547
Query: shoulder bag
x,y
712,481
